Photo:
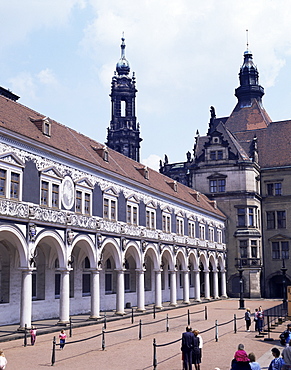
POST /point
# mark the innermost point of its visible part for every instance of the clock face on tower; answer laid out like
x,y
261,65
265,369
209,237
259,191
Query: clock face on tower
x,y
68,192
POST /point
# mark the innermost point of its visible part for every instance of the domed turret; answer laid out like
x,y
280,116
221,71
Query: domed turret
x,y
122,66
249,88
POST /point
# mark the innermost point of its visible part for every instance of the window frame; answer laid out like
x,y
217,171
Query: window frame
x,y
83,189
10,169
112,205
52,181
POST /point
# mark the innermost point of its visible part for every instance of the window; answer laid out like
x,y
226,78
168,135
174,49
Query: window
x,y
108,277
150,218
191,229
86,278
50,183
274,188
276,220
83,197
179,226
202,232
166,222
109,208
211,234
243,247
247,217
270,220
280,250
254,249
281,219
219,236
216,155
10,183
131,217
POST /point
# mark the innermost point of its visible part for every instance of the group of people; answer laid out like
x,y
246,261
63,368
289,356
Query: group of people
x,y
258,319
244,361
191,348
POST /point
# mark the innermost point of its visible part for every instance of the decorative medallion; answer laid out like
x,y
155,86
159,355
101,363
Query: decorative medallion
x,y
67,192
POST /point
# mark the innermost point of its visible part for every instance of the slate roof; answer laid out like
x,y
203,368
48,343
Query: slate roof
x,y
17,118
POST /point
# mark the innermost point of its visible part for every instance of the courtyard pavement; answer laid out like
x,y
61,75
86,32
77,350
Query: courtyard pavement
x,y
123,350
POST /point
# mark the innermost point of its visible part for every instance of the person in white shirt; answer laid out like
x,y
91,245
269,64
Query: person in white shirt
x,y
3,361
253,364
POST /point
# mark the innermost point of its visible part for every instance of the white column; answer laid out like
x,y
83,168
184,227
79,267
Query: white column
x,y
120,293
207,285
223,284
173,288
95,294
197,286
215,285
26,298
186,287
158,289
140,290
65,297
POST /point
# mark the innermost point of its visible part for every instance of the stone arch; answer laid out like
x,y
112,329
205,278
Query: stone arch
x,y
132,248
11,237
86,249
52,239
111,247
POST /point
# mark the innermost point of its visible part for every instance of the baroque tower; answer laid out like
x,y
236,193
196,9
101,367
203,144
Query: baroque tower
x,y
123,135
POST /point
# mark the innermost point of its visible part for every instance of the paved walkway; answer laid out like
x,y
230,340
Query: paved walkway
x,y
124,351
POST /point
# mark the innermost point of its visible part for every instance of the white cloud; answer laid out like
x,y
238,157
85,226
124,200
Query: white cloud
x,y
153,161
24,85
47,77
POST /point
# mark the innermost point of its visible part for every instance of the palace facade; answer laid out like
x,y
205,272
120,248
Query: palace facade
x,y
84,228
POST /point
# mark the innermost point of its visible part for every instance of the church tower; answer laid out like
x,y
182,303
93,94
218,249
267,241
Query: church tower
x,y
123,135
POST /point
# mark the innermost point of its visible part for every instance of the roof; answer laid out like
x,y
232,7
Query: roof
x,y
17,118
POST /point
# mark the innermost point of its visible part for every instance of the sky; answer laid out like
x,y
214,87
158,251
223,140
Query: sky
x,y
59,56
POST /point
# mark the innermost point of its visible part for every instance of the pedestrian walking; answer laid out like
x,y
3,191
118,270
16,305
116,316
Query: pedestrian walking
x,y
62,337
248,319
3,361
277,363
253,364
33,335
187,348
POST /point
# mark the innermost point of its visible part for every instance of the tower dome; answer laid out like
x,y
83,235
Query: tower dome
x,y
122,66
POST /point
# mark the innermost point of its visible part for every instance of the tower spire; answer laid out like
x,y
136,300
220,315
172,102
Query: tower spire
x,y
123,134
249,88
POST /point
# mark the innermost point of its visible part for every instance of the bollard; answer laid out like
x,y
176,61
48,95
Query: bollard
x,y
103,338
54,352
216,331
132,316
139,332
188,318
234,323
154,311
104,325
167,323
70,330
269,329
155,355
205,313
25,335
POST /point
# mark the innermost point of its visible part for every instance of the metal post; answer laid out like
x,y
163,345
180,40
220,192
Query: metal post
x,y
104,325
154,311
284,269
132,316
25,335
70,330
269,329
54,352
216,331
241,284
188,317
167,323
139,332
103,338
155,355
234,323
205,313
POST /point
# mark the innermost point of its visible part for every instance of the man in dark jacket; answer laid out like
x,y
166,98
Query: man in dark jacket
x,y
285,336
187,348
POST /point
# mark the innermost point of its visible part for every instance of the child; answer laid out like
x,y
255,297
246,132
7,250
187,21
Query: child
x,y
62,337
33,335
241,355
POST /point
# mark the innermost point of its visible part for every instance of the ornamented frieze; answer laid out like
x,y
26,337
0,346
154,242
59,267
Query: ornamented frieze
x,y
14,209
